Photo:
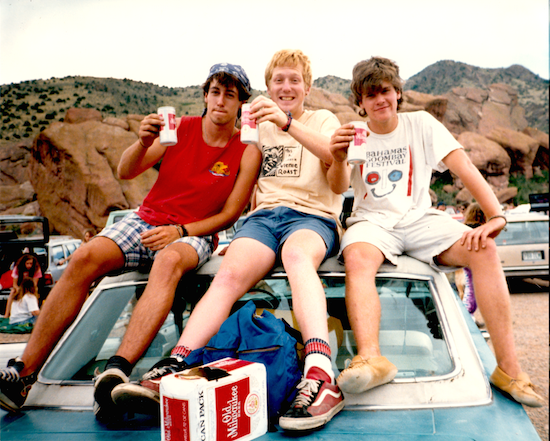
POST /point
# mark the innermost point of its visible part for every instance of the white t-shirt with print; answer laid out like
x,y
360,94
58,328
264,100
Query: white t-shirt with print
x,y
392,188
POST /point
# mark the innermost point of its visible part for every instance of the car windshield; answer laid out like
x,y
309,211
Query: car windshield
x,y
411,332
523,232
20,231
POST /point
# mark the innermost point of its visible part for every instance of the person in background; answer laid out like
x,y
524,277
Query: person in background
x,y
393,216
24,306
26,266
474,217
174,230
294,221
87,236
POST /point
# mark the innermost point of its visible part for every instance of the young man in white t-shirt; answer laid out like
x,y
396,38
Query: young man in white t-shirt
x,y
392,216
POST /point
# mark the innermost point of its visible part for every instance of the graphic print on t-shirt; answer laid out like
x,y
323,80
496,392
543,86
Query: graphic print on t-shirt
x,y
387,171
282,161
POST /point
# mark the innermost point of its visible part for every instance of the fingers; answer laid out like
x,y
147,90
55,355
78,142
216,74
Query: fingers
x,y
263,109
339,142
159,237
149,129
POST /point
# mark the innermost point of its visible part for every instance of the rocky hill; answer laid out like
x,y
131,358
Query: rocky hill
x,y
442,77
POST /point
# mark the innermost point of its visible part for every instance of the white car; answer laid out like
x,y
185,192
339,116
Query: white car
x,y
523,245
441,391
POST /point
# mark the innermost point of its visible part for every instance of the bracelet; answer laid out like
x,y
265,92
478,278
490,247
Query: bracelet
x,y
184,232
285,128
498,215
177,227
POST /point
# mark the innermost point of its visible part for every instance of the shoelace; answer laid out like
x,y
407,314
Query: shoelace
x,y
10,374
307,388
158,372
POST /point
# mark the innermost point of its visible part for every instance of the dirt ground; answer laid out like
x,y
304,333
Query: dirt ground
x,y
531,331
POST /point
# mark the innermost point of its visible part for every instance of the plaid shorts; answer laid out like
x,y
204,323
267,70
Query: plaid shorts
x,y
126,234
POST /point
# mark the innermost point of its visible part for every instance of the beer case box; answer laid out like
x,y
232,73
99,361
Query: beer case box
x,y
222,400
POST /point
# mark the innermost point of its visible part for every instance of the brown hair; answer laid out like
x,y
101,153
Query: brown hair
x,y
292,58
368,76
21,268
27,287
474,216
227,80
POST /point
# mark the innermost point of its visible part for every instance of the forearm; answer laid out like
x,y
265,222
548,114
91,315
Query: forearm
x,y
315,142
338,176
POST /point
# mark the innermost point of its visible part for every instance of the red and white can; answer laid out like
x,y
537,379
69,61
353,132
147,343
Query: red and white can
x,y
357,151
249,128
168,134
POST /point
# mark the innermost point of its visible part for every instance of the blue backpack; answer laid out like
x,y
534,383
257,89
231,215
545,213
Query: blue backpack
x,y
260,339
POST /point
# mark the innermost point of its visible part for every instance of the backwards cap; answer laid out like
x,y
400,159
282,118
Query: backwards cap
x,y
234,70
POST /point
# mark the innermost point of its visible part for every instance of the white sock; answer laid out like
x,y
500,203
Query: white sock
x,y
321,361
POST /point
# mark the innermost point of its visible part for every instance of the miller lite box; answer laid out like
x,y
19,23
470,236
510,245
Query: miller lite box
x,y
219,401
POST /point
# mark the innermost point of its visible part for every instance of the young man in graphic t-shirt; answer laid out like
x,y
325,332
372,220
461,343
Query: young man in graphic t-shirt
x,y
392,216
295,219
204,183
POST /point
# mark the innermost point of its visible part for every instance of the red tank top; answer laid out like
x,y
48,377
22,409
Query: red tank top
x,y
194,179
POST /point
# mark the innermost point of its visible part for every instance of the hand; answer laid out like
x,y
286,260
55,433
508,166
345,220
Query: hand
x,y
477,237
159,237
339,142
149,129
263,109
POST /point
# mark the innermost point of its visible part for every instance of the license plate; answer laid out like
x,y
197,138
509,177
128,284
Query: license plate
x,y
531,255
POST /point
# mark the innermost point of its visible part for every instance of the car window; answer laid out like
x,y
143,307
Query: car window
x,y
71,247
411,333
98,335
525,232
57,253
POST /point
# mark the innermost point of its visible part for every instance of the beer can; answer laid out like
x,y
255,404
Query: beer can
x,y
168,134
357,151
249,128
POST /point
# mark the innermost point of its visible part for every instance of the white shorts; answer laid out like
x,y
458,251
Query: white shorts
x,y
424,239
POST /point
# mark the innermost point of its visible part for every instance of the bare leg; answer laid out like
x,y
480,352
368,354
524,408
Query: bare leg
x,y
90,261
301,255
362,303
156,301
244,264
492,296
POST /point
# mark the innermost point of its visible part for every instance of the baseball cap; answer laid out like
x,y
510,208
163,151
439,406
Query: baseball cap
x,y
234,70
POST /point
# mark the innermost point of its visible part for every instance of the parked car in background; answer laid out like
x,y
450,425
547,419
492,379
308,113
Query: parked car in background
x,y
441,391
18,235
58,250
115,216
523,245
30,234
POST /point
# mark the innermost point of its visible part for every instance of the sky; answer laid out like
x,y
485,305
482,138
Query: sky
x,y
174,42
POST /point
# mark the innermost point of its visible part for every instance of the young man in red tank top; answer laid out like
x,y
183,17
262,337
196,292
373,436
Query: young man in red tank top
x,y
171,229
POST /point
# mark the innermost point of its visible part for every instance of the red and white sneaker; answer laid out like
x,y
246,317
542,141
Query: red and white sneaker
x,y
317,401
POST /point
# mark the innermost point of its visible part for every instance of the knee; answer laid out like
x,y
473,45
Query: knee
x,y
169,261
487,255
357,261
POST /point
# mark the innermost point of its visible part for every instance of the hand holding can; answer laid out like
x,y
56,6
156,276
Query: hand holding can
x,y
168,134
249,128
357,151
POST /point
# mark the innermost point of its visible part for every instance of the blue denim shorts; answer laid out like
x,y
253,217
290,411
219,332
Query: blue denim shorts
x,y
273,227
126,234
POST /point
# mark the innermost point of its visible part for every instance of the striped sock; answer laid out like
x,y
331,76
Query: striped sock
x,y
317,346
180,352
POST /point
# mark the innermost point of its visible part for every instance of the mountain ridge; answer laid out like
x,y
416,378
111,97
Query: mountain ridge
x,y
29,107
